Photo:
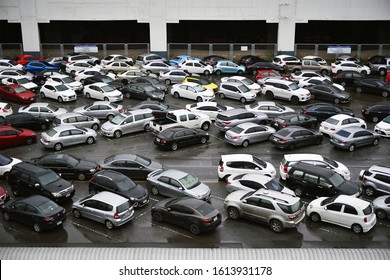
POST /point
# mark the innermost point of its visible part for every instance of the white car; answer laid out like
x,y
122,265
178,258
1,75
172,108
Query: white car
x,y
284,59
308,82
5,110
43,109
73,68
66,80
57,91
14,73
333,124
117,66
317,58
315,159
6,164
383,127
193,91
343,210
116,58
286,90
7,65
270,108
103,91
20,81
209,108
196,67
240,79
83,74
340,66
299,75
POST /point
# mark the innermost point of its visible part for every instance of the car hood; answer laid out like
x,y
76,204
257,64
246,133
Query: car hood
x,y
137,192
57,186
348,188
383,125
87,165
200,191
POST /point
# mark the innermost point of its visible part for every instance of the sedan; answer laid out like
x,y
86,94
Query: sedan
x,y
383,127
177,137
176,183
270,108
132,165
26,120
67,135
129,75
228,67
84,74
37,211
20,81
35,66
248,133
329,93
381,206
153,105
295,136
151,80
156,67
250,182
14,73
322,111
173,76
42,109
352,137
192,91
194,214
67,80
10,136
209,108
103,91
74,67
58,91
103,79
6,164
17,93
243,80
143,91
100,109
308,82
116,57
117,66
204,82
374,86
289,119
68,166
333,124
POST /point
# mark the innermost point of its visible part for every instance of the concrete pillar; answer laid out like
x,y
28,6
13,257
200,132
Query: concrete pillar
x,y
158,28
29,26
286,28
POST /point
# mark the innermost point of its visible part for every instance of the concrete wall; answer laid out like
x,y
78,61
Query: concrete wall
x,y
160,12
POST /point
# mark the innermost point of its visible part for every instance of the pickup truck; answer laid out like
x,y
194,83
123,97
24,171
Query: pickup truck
x,y
164,120
309,65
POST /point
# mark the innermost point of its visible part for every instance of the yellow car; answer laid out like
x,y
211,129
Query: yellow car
x,y
204,82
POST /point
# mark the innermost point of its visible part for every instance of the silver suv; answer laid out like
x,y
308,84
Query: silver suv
x,y
276,209
108,208
375,179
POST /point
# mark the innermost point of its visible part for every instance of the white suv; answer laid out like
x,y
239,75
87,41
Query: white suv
x,y
286,90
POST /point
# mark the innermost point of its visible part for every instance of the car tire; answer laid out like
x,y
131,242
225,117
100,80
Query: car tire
x,y
205,126
157,217
81,176
254,72
154,190
339,71
87,95
382,72
369,191
315,217
176,95
95,126
174,146
168,82
291,147
375,119
199,99
376,142
233,213
106,99
385,94
109,224
356,228
37,227
127,95
28,141
318,141
203,140
76,213
5,175
336,101
90,140
358,90
242,100
343,84
6,216
82,81
245,143
221,95
147,128
276,226
324,72
351,148
364,72
194,229
294,100
60,99
240,72
381,214
206,73
58,146
117,134
269,95
298,191
218,72
42,95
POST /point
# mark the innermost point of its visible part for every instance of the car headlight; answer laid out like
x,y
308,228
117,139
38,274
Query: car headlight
x,y
92,170
132,198
109,129
153,95
57,194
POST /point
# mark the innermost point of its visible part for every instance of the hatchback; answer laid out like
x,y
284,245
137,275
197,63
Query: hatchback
x,y
143,91
237,91
270,108
345,211
292,118
333,124
173,76
243,80
78,120
347,78
11,136
194,214
43,109
192,91
17,93
228,67
329,93
103,91
322,111
248,133
58,91
383,127
107,208
196,67
374,86
350,138
376,112
292,137
381,206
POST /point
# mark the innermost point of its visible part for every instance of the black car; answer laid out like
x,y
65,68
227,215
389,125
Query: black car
x,y
143,91
67,166
103,79
264,65
177,137
153,105
322,111
376,112
288,119
152,81
190,213
295,136
115,182
41,76
213,59
347,78
247,60
329,93
37,211
26,120
131,165
375,86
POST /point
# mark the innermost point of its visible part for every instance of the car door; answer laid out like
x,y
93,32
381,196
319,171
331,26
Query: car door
x,y
348,216
94,111
250,207
63,168
45,112
325,188
362,138
10,137
331,213
90,209
128,125
49,91
191,136
310,182
297,138
179,215
78,136
308,137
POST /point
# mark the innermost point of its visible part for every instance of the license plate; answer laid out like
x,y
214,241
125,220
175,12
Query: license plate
x,y
58,223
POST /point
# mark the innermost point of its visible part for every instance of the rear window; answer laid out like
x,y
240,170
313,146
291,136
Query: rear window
x,y
291,209
368,210
48,206
283,132
205,209
237,129
123,207
332,121
223,117
343,133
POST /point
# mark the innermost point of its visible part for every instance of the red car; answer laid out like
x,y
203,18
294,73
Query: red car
x,y
10,136
17,93
388,77
4,196
26,58
266,73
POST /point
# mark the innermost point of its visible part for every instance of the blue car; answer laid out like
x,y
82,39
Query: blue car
x,y
181,58
228,67
35,66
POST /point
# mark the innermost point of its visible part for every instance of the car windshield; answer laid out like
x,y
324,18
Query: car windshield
x,y
4,160
108,88
143,160
61,88
52,107
149,88
106,79
283,132
368,210
20,89
117,119
205,209
48,206
336,180
387,119
51,132
48,178
291,209
328,200
279,120
125,184
123,207
204,82
199,88
237,129
331,162
189,181
109,159
23,81
68,80
72,160
274,185
243,88
259,162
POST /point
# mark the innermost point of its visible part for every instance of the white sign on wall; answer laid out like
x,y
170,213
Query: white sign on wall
x,y
339,49
86,48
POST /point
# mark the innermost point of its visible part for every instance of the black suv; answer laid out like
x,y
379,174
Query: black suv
x,y
27,179
376,112
308,179
26,120
118,183
376,180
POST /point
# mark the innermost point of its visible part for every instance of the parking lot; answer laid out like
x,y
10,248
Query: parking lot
x,y
201,161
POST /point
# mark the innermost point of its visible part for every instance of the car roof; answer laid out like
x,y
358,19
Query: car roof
x,y
64,127
233,112
312,168
357,202
352,129
205,103
123,156
137,111
276,195
293,128
35,200
282,81
192,84
236,84
247,125
69,114
99,84
38,104
190,202
262,179
237,157
110,197
173,173
341,117
298,157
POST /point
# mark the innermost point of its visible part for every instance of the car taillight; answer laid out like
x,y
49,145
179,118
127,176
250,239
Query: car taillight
x,y
162,140
285,167
116,216
120,110
228,183
47,219
99,167
304,111
221,168
226,122
188,110
333,66
4,110
282,140
292,217
365,219
344,142
283,124
333,129
206,220
236,137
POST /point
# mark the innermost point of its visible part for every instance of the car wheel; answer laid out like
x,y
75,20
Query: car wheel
x,y
58,146
81,176
313,125
176,95
385,94
60,99
318,141
369,191
154,190
356,228
148,72
218,72
109,224
294,100
245,143
82,81
381,214
343,84
199,99
240,72
242,100
147,128
90,140
269,95
106,99
87,95
315,217
254,72
376,142
37,227
206,73
221,95
174,146
351,148
76,213
233,213
364,72
157,217
194,229
28,141
336,101
42,95
117,134
375,119
358,89
148,98
127,95
167,82
205,126
339,71
6,216
95,126
382,72
298,191
5,175
203,140
324,72
276,226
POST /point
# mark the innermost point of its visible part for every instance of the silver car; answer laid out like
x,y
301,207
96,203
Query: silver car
x,y
248,133
270,108
176,183
236,91
156,67
107,208
100,109
45,110
133,121
352,137
67,135
78,120
174,76
381,206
